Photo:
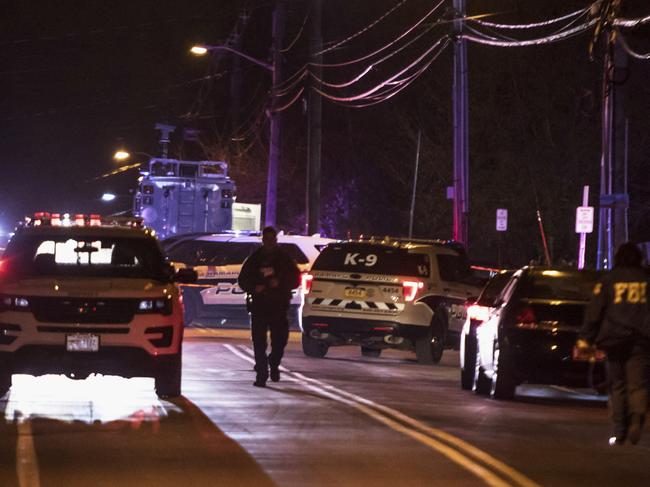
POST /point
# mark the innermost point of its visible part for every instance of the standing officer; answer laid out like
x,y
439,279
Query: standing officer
x,y
268,276
617,322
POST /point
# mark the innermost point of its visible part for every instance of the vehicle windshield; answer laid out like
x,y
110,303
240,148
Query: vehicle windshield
x,y
372,259
493,288
87,256
206,253
571,285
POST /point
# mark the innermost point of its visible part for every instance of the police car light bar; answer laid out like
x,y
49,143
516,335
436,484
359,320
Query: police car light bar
x,y
44,218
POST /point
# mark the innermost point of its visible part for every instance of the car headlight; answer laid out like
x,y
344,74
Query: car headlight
x,y
156,306
14,303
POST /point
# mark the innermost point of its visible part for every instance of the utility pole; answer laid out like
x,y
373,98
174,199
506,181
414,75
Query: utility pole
x,y
314,123
612,213
275,118
461,146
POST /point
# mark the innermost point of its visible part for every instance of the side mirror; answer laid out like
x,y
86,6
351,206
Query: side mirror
x,y
185,275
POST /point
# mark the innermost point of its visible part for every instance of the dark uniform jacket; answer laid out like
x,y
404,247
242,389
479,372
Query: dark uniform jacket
x,y
618,311
261,267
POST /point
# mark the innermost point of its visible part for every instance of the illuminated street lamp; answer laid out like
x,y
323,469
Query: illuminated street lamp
x,y
121,155
108,197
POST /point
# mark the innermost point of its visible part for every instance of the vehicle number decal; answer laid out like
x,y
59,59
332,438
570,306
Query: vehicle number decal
x,y
354,259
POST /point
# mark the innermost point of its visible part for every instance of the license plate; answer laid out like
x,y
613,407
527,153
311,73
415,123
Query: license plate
x,y
354,292
588,355
82,342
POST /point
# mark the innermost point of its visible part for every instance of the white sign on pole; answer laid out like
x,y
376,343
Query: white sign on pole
x,y
502,219
584,219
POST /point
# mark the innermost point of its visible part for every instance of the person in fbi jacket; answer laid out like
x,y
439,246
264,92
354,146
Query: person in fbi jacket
x,y
268,276
617,321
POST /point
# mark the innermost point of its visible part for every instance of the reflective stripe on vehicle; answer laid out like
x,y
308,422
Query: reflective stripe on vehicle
x,y
352,304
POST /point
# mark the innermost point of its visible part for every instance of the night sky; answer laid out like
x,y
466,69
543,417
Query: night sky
x,y
79,79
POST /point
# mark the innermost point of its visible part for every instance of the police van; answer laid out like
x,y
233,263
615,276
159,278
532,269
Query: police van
x,y
84,294
216,299
387,293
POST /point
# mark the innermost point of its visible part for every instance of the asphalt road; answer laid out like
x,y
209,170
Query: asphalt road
x,y
344,420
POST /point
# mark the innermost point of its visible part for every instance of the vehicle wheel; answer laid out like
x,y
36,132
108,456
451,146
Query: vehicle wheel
x,y
370,352
428,349
468,371
191,307
5,383
314,348
503,382
168,377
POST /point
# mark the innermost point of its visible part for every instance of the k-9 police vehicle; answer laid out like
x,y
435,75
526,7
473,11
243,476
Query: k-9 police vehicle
x,y
179,197
385,293
216,298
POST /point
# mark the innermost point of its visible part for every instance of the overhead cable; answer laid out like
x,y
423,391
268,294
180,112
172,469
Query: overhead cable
x,y
391,43
631,23
365,29
531,42
531,25
629,50
374,64
383,83
389,93
293,43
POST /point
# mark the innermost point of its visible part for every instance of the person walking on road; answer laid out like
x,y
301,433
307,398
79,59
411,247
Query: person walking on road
x,y
268,276
617,321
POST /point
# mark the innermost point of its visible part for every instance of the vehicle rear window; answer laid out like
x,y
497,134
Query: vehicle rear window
x,y
87,256
493,288
205,253
372,259
551,284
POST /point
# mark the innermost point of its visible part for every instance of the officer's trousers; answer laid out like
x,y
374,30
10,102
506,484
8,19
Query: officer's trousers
x,y
628,385
273,319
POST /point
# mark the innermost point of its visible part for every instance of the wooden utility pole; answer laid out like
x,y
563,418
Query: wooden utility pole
x,y
461,146
275,118
314,124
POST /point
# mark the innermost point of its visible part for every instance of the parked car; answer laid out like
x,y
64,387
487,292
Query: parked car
x,y
529,337
216,298
388,293
478,310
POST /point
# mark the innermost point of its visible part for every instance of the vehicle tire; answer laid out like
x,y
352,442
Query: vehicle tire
x,y
191,307
314,348
5,382
429,348
168,376
468,371
503,381
370,352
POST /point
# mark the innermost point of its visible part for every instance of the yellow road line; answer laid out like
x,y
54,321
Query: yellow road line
x,y
26,460
461,453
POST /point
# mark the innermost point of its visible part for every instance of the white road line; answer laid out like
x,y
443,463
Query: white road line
x,y
26,461
426,434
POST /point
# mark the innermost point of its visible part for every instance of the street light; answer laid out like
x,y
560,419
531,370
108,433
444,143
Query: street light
x,y
122,155
274,118
108,197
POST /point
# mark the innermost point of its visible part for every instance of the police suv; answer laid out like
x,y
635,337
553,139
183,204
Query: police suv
x,y
217,259
86,295
387,293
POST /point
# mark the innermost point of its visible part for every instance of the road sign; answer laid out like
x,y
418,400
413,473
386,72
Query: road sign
x,y
502,219
584,219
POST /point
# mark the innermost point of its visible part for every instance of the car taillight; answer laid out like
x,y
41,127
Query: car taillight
x,y
410,289
478,313
526,318
306,281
